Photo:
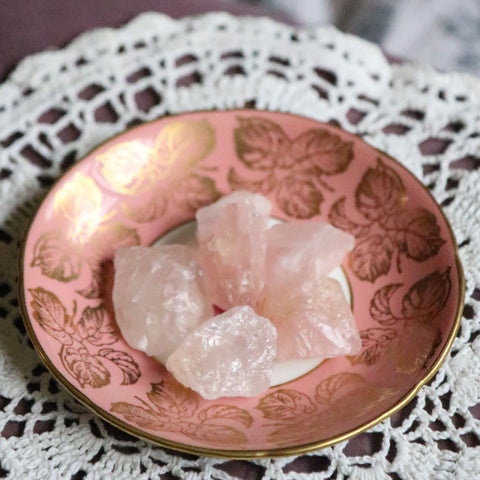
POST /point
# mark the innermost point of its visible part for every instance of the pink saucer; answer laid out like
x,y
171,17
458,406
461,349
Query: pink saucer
x,y
404,274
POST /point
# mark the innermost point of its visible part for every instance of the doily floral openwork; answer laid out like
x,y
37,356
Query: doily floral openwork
x,y
58,105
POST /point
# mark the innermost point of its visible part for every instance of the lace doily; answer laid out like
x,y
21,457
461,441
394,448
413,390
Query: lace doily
x,y
58,105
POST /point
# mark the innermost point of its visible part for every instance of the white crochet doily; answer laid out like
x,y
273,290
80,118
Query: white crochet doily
x,y
59,104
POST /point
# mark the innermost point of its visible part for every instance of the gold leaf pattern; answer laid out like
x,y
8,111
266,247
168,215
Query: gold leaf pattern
x,y
217,433
261,144
371,257
380,194
57,258
319,149
94,328
128,366
152,208
374,342
127,167
111,236
291,168
143,417
87,369
194,192
295,418
173,399
299,199
225,413
380,308
175,408
411,350
427,297
79,205
263,185
418,233
285,404
390,225
415,337
184,143
51,315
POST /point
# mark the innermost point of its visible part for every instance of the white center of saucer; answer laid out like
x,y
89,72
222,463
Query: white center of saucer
x,y
282,371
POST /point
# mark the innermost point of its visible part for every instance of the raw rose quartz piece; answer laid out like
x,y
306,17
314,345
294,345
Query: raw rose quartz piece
x,y
158,297
312,316
230,355
231,248
305,247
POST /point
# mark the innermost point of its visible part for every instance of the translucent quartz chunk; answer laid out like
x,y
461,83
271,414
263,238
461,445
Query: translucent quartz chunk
x,y
312,316
231,248
230,355
158,297
305,249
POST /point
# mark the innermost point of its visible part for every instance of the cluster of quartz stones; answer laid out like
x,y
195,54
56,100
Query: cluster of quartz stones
x,y
271,283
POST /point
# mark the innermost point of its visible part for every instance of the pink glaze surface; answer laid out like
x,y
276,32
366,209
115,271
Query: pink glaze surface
x,y
404,276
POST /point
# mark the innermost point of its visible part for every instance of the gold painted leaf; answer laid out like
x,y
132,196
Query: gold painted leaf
x,y
339,218
380,308
380,194
184,142
299,197
128,366
217,434
108,238
95,287
264,185
51,315
173,399
371,257
56,257
226,412
141,416
127,167
153,208
374,342
348,392
325,152
285,404
333,385
426,298
261,144
86,368
412,349
299,433
111,236
78,204
94,327
419,233
194,192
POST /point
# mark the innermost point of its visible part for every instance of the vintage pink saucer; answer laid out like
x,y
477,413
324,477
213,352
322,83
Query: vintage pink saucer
x,y
404,274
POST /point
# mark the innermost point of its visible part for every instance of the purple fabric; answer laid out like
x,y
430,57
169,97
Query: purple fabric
x,y
29,26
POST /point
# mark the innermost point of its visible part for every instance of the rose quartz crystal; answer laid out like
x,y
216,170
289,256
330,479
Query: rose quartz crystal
x,y
312,317
230,355
231,248
158,297
298,248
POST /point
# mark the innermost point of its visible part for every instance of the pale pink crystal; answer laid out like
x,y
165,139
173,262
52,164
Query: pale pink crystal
x,y
230,355
231,248
298,248
312,316
158,297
